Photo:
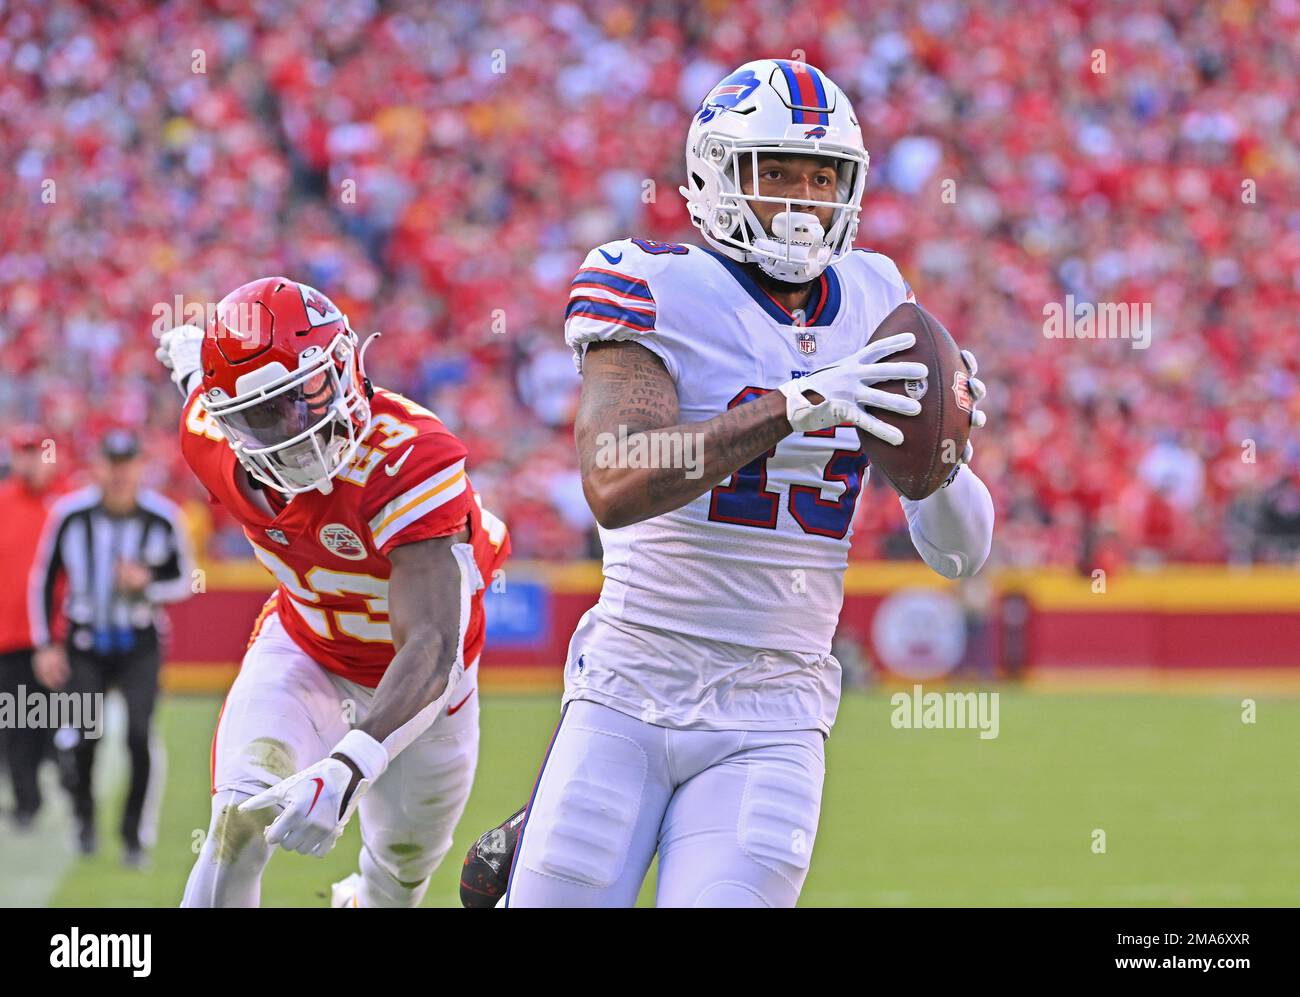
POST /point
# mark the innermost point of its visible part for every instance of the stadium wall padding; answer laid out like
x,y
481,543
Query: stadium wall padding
x,y
1176,617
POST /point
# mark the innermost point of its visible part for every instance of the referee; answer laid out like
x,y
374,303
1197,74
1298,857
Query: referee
x,y
123,551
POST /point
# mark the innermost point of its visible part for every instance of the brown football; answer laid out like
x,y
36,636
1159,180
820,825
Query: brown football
x,y
934,438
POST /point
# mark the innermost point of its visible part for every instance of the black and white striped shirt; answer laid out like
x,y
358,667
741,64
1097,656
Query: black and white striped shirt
x,y
85,542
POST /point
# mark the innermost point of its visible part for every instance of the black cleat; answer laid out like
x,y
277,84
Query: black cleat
x,y
486,871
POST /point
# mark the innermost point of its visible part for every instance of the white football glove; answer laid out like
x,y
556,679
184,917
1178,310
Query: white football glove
x,y
977,418
845,388
178,351
314,804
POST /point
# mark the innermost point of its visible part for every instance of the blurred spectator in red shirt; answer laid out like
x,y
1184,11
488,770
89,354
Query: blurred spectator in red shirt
x,y
25,498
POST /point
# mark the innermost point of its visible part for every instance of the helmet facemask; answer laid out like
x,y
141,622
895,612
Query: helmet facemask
x,y
295,430
797,248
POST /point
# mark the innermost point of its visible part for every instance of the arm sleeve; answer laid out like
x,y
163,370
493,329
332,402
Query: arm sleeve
x,y
43,576
952,529
613,302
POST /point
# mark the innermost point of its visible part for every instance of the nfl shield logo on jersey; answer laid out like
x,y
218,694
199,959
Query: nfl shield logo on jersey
x,y
278,536
338,539
807,341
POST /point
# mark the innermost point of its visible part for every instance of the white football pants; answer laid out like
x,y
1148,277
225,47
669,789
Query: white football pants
x,y
285,712
732,814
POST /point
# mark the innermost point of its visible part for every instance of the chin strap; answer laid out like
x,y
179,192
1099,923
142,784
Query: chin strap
x,y
361,365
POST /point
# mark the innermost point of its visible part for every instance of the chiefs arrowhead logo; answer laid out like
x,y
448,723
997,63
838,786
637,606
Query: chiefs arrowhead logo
x,y
320,310
338,539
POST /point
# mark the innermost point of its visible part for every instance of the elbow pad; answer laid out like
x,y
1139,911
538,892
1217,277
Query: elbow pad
x,y
952,529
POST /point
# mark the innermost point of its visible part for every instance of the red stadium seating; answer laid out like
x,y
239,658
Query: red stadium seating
x,y
491,145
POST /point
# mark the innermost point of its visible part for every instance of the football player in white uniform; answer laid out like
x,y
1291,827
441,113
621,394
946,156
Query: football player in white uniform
x,y
700,689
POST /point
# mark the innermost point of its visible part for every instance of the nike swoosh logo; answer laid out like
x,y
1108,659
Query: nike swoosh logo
x,y
612,259
393,468
453,709
320,784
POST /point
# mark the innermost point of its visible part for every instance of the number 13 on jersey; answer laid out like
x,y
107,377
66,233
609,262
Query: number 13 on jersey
x,y
747,501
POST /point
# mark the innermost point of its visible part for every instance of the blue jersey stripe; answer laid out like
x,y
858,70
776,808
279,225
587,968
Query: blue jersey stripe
x,y
601,310
633,287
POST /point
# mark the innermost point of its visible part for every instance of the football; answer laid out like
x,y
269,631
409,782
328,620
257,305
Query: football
x,y
934,438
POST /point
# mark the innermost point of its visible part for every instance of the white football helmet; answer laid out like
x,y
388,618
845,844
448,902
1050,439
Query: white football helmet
x,y
764,107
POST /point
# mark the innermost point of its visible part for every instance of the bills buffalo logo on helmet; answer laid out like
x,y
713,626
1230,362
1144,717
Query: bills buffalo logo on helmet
x,y
338,539
728,94
817,132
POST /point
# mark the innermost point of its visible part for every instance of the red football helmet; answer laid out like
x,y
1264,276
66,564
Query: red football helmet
x,y
283,380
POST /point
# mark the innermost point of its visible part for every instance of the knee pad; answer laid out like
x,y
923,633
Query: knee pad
x,y
778,816
409,862
581,826
383,885
409,816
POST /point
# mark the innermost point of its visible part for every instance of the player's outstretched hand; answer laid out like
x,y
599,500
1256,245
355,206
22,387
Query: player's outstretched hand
x,y
178,351
846,392
316,803
314,807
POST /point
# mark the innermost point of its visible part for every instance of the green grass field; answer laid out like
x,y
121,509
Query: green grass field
x,y
1198,808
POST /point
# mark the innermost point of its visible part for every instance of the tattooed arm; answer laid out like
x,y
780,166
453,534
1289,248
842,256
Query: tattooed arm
x,y
626,385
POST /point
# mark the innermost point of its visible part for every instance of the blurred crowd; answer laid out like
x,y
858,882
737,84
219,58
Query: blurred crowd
x,y
441,169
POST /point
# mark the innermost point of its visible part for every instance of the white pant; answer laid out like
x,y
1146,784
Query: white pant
x,y
732,814
285,712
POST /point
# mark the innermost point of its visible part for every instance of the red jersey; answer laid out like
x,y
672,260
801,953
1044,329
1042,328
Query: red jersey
x,y
329,553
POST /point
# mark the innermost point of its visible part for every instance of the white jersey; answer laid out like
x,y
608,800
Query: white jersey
x,y
757,562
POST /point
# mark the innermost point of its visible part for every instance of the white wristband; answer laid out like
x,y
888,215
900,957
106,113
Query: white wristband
x,y
369,756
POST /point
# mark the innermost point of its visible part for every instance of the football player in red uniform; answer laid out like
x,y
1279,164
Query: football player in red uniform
x,y
357,688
